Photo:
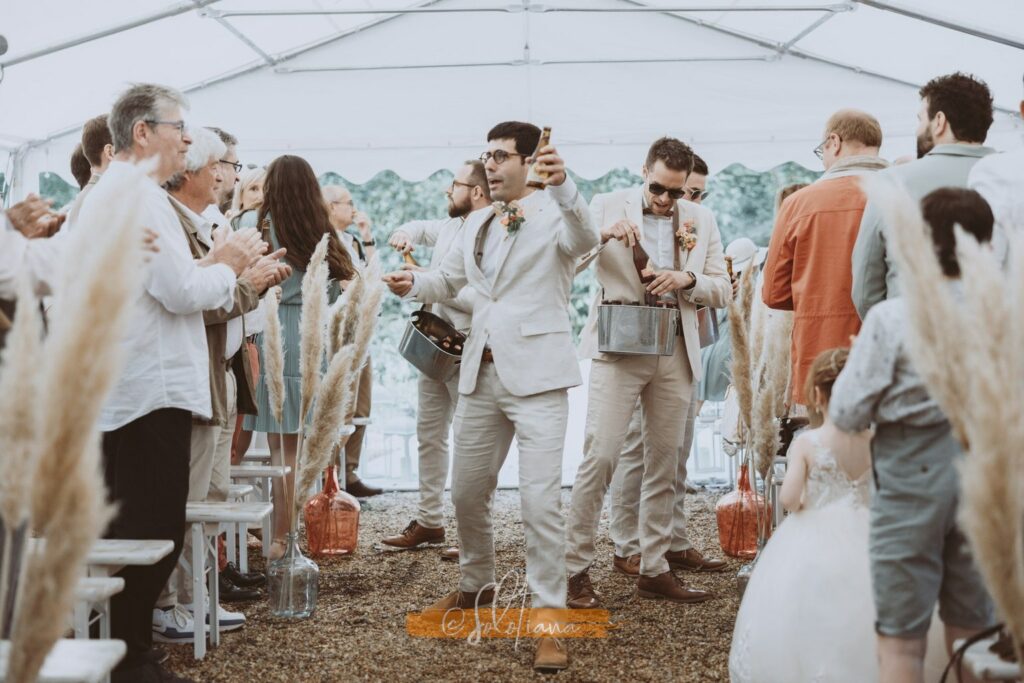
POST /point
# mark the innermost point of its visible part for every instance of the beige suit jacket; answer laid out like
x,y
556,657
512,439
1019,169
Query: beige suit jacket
x,y
523,316
619,281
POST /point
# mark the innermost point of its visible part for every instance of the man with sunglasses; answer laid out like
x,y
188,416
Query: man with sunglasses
x,y
437,400
808,269
685,257
519,361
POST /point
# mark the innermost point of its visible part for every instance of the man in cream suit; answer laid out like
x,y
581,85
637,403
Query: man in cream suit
x,y
437,400
517,365
688,272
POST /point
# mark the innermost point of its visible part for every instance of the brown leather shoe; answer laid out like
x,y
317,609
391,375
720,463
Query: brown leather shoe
x,y
359,489
667,587
693,561
413,535
581,593
463,600
630,566
551,655
450,554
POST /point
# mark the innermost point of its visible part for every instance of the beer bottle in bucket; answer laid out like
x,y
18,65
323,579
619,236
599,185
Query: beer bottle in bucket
x,y
408,258
535,177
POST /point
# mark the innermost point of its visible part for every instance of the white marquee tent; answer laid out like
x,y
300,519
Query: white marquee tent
x,y
360,86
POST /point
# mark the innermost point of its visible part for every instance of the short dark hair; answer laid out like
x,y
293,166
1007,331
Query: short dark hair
x,y
675,154
948,206
700,167
526,136
965,100
96,136
225,137
81,169
478,176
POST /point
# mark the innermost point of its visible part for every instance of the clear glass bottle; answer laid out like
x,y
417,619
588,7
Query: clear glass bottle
x,y
292,583
332,519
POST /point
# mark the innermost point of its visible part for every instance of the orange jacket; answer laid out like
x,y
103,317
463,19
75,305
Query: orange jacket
x,y
808,270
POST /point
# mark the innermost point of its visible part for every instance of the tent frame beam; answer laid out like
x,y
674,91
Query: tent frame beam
x,y
527,6
944,23
519,62
172,11
248,42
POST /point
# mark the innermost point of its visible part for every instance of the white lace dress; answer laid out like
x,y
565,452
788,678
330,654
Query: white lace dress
x,y
808,615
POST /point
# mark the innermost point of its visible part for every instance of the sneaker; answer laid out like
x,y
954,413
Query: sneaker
x,y
173,625
228,620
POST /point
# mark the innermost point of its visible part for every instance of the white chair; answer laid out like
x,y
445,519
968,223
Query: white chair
x,y
73,661
92,594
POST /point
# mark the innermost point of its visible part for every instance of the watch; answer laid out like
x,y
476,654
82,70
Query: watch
x,y
693,280
369,242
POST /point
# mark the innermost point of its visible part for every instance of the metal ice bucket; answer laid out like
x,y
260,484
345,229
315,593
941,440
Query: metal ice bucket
x,y
636,330
707,326
424,353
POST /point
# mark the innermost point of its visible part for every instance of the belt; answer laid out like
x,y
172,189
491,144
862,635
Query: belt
x,y
487,356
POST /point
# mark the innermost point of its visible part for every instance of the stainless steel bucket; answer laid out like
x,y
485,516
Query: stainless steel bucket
x,y
636,330
707,326
423,352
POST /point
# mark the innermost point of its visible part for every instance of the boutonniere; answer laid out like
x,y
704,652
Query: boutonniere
x,y
511,215
687,235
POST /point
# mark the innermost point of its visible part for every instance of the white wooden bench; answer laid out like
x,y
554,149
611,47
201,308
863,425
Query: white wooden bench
x,y
262,476
109,555
73,661
985,665
236,547
198,515
93,594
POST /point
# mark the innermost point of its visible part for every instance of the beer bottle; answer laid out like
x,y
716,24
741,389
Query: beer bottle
x,y
536,178
408,258
640,262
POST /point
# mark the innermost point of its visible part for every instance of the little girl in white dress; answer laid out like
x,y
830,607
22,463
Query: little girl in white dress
x,y
808,613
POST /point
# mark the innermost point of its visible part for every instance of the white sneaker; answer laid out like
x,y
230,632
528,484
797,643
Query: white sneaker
x,y
228,620
173,625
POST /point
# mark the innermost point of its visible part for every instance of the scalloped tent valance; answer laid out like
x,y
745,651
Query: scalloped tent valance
x,y
414,86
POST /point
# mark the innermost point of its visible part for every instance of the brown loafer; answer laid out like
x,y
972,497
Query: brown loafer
x,y
693,561
359,489
581,593
630,566
450,554
551,655
463,600
667,587
414,535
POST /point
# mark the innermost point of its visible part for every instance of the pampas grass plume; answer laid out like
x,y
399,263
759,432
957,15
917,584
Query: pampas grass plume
x,y
739,325
273,355
311,325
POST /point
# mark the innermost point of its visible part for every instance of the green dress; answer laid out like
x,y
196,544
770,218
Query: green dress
x,y
288,312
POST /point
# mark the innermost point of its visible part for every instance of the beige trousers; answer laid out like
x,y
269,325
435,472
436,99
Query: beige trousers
x,y
435,408
664,386
486,421
209,477
354,444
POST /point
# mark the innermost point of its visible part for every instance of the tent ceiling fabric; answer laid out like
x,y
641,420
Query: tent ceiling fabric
x,y
396,91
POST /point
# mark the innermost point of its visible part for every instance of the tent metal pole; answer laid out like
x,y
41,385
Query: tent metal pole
x,y
171,11
927,18
519,62
536,8
238,34
788,45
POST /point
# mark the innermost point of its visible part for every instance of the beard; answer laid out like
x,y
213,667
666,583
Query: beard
x,y
459,210
925,143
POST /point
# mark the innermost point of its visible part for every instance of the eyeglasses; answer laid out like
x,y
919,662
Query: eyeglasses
x,y
657,189
234,164
500,156
695,193
819,151
180,125
451,188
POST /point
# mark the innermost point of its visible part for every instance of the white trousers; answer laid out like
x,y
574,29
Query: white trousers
x,y
486,421
209,477
625,494
664,387
436,406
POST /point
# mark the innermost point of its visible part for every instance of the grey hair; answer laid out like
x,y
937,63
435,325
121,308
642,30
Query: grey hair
x,y
248,177
141,102
205,148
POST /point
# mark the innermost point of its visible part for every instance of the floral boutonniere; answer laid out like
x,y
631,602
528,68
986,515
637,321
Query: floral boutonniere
x,y
511,215
687,235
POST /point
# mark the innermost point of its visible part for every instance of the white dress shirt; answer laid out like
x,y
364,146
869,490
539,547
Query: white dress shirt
x,y
659,240
999,178
37,259
247,324
166,362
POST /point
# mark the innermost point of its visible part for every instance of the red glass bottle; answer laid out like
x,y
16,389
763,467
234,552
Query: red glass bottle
x,y
332,519
738,514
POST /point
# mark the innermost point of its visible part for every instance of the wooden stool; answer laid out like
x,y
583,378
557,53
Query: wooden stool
x,y
261,474
73,661
94,594
109,555
237,533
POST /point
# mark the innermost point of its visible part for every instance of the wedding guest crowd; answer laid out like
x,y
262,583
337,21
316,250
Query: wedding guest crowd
x,y
220,236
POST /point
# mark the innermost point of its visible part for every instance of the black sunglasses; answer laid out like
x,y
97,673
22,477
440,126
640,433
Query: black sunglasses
x,y
657,189
693,194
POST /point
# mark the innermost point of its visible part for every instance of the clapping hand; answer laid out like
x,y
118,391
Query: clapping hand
x,y
267,271
33,218
549,162
239,249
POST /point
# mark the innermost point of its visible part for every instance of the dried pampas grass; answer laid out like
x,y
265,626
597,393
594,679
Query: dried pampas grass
x,y
98,286
979,385
769,391
273,355
739,325
311,324
367,307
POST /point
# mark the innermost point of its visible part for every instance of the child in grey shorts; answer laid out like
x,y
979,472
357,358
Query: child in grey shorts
x,y
918,554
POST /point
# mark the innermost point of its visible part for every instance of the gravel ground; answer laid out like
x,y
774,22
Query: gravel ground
x,y
358,630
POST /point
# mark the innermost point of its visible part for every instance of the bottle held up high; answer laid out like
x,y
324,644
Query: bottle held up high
x,y
536,178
